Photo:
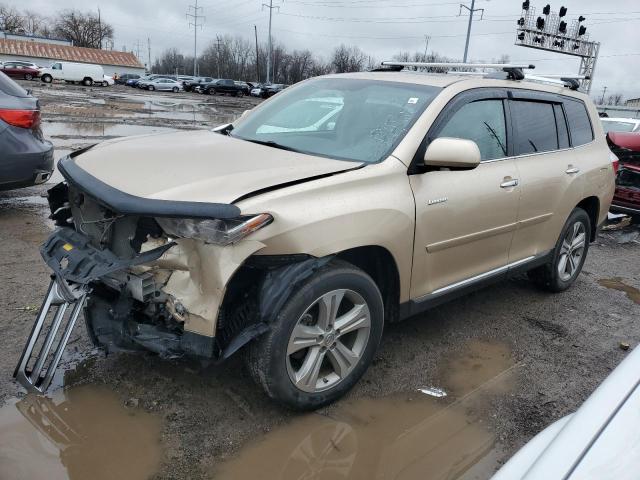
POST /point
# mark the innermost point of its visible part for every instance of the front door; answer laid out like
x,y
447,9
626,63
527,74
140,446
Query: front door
x,y
465,220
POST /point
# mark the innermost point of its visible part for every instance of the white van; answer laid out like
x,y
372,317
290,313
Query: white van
x,y
86,73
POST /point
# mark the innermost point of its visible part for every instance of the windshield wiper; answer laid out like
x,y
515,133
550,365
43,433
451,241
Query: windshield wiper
x,y
271,143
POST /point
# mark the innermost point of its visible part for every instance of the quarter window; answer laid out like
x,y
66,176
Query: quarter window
x,y
579,123
483,122
535,127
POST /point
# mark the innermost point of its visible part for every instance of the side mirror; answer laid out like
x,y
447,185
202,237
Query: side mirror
x,y
452,152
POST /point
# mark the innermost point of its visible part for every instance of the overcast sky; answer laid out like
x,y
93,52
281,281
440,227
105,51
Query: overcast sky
x,y
379,27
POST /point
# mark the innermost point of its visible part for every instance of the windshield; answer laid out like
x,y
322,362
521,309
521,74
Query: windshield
x,y
342,118
615,126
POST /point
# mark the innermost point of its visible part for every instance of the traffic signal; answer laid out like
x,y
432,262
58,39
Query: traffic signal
x,y
521,22
582,30
563,11
521,36
563,27
525,5
540,23
547,9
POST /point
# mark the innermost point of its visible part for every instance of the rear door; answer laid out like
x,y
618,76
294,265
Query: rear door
x,y
465,220
550,171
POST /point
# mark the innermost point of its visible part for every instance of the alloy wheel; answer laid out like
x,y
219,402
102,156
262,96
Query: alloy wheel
x,y
571,251
328,340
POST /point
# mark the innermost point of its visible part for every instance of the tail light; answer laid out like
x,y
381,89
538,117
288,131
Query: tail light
x,y
614,161
21,118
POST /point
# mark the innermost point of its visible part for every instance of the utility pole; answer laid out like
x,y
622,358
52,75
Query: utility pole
x,y
426,46
149,52
195,16
218,55
270,7
138,45
604,90
472,10
99,29
255,28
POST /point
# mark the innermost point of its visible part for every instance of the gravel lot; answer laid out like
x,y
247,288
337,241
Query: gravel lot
x,y
511,358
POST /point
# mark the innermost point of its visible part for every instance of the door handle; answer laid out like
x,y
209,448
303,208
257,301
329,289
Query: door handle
x,y
571,170
509,183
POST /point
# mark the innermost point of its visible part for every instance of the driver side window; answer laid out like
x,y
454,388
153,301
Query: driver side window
x,y
483,122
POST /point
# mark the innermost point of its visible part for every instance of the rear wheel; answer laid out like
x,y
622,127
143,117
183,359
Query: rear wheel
x,y
28,76
47,78
568,256
323,339
175,90
87,82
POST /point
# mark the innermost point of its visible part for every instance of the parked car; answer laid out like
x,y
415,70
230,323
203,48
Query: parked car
x,y
165,84
597,442
144,82
24,64
244,87
271,89
108,81
191,85
123,79
626,147
201,86
256,91
297,245
86,73
27,158
18,70
224,87
620,124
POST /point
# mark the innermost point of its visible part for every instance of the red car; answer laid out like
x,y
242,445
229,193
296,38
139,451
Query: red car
x,y
626,146
18,70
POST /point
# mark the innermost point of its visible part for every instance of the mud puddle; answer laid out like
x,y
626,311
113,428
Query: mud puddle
x,y
617,284
401,437
81,433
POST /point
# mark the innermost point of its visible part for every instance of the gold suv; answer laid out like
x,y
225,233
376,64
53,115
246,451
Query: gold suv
x,y
343,203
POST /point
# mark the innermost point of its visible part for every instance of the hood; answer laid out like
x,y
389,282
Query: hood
x,y
199,166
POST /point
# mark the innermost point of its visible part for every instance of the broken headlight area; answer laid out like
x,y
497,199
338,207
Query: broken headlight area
x,y
220,232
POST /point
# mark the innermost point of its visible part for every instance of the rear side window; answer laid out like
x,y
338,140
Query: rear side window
x,y
483,122
535,127
579,123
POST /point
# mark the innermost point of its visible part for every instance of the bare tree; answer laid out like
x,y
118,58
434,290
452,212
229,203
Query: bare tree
x,y
84,29
11,21
36,24
348,59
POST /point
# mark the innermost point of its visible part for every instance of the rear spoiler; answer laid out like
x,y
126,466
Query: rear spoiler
x,y
127,204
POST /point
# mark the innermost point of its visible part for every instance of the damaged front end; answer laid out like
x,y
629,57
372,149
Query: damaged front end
x,y
150,274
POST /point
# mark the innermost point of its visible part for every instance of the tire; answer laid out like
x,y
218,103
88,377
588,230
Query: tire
x,y
151,88
567,261
278,365
240,93
28,76
47,78
87,82
175,89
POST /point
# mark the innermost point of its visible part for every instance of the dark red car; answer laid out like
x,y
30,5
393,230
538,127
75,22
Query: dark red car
x,y
626,146
18,70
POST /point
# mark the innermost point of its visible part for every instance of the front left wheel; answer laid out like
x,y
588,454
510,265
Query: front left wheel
x,y
323,339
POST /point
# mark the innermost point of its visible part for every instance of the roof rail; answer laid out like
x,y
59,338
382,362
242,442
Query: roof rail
x,y
514,71
569,80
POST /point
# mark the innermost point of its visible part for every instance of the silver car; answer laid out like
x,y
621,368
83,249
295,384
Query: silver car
x,y
163,84
600,441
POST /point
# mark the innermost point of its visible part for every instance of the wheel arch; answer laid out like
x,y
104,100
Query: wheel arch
x,y
591,205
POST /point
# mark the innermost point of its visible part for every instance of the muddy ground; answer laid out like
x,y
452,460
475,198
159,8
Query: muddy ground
x,y
496,367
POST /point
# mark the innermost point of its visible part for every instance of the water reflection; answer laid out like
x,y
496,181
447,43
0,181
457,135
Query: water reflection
x,y
83,433
407,436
